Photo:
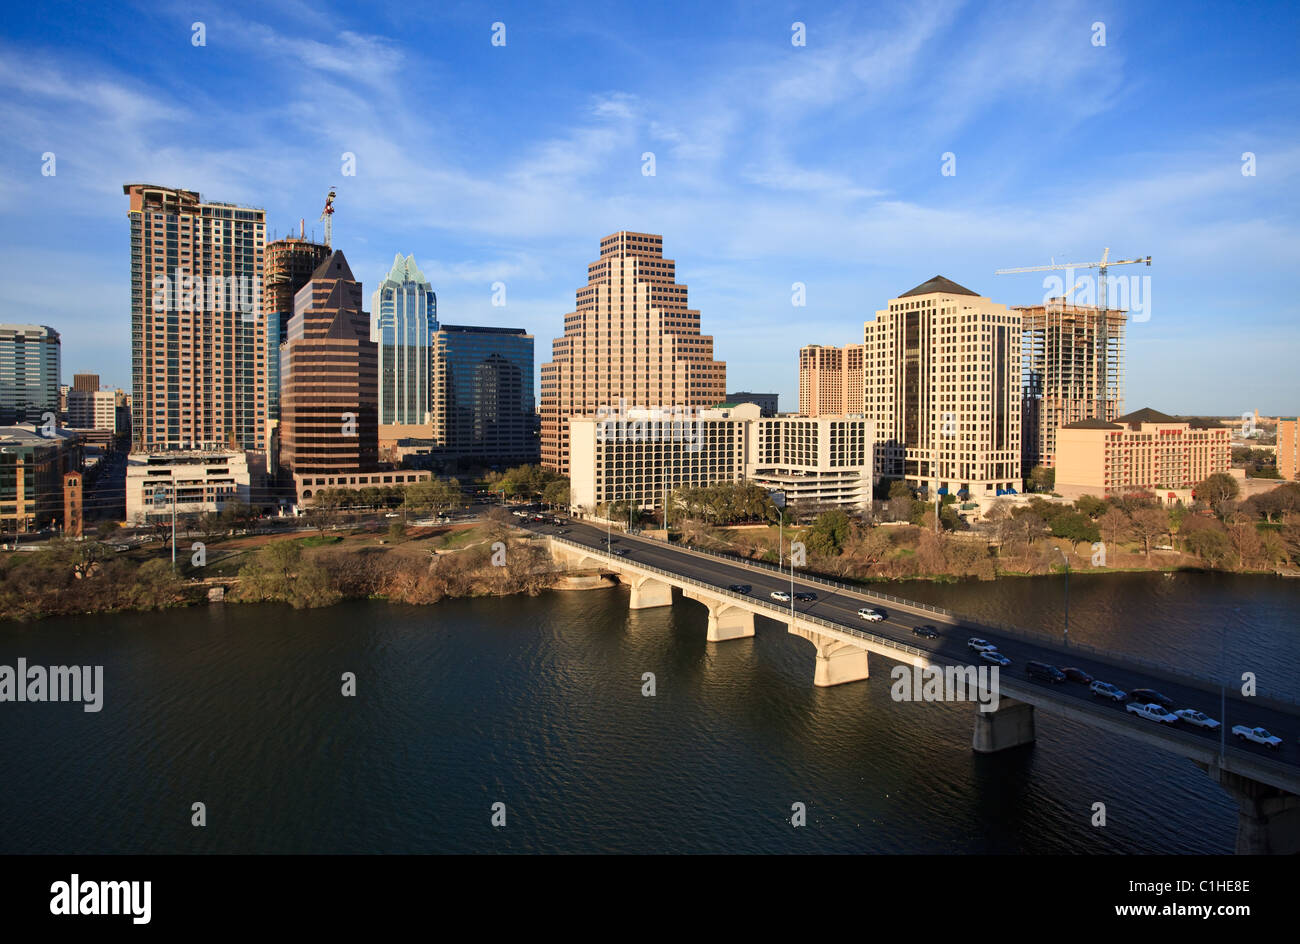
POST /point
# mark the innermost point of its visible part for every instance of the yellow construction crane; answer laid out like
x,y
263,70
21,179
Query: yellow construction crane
x,y
327,217
1103,300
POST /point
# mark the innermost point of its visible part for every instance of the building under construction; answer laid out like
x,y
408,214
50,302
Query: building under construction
x,y
1073,370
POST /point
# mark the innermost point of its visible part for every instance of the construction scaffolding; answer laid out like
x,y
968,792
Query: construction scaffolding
x,y
1073,370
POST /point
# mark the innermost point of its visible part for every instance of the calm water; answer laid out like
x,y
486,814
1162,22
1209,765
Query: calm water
x,y
536,703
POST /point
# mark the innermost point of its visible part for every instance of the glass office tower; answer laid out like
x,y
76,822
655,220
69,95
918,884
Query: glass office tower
x,y
403,318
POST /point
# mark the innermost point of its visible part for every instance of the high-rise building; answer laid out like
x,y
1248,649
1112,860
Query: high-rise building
x,y
86,383
92,410
943,376
830,380
632,341
1073,371
483,406
403,318
1288,447
289,264
330,379
198,337
29,373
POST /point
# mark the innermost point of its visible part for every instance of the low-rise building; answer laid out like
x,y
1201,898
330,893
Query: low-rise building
x,y
89,409
32,470
642,455
1142,451
200,480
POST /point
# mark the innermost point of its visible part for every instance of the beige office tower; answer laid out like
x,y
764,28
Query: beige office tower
x,y
632,342
831,380
198,338
943,377
1073,371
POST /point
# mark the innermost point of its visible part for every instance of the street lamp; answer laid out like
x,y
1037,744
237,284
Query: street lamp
x,y
1067,592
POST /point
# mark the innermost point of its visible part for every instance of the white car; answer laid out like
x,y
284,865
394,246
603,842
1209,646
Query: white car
x,y
1192,716
780,596
392,514
1151,712
874,616
997,658
1258,735
980,645
1107,690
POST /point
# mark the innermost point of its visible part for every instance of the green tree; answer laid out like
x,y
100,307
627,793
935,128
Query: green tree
x,y
1042,478
829,533
900,489
1217,490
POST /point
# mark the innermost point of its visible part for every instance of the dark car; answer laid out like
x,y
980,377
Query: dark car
x,y
1149,696
1041,670
928,631
805,596
740,588
1077,675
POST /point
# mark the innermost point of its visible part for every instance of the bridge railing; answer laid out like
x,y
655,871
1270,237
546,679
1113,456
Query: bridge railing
x,y
782,613
1112,657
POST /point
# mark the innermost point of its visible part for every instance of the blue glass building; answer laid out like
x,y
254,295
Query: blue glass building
x,y
403,319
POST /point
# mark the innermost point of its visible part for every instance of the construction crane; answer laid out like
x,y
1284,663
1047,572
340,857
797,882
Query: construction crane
x,y
1103,300
327,217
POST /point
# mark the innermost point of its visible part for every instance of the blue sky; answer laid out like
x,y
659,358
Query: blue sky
x,y
775,164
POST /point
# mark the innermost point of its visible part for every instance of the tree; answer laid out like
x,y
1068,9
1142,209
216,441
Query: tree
x,y
829,533
1042,478
396,530
556,493
1075,526
1216,490
1113,526
1210,545
106,529
1090,505
900,489
1148,524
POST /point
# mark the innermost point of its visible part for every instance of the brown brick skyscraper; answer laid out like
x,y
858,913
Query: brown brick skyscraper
x,y
330,384
632,339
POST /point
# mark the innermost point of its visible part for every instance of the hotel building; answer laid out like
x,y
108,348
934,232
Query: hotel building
x,y
831,380
1142,451
198,338
29,373
640,455
943,388
632,340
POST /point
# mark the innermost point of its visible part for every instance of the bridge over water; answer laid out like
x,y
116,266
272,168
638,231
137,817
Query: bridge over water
x,y
1266,784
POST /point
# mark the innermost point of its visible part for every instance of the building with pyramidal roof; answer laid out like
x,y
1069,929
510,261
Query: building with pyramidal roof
x,y
403,320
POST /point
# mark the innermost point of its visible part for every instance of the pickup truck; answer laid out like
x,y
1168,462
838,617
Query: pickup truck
x,y
1258,735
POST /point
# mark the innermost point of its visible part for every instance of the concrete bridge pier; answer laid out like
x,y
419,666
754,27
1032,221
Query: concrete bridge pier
x,y
647,592
726,620
1268,819
837,661
1010,726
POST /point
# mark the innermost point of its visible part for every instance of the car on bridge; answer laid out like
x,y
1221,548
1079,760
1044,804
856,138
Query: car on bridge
x,y
1107,690
1149,696
805,596
980,645
1151,711
1041,670
928,631
1077,675
1192,716
780,596
1257,735
870,615
740,588
997,658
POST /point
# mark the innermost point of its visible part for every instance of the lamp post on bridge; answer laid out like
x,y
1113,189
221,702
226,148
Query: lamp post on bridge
x,y
1067,592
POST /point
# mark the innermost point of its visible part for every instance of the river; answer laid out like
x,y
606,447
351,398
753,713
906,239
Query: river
x,y
536,703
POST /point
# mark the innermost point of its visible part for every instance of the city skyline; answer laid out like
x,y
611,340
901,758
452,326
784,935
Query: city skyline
x,y
790,182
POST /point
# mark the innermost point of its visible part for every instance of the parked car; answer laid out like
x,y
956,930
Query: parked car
x,y
805,596
780,596
997,658
928,631
1192,716
1041,670
1257,735
1152,712
1077,675
980,645
740,588
1149,696
873,616
1107,690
